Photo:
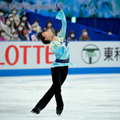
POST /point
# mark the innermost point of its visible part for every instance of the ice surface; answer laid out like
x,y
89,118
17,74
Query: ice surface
x,y
86,97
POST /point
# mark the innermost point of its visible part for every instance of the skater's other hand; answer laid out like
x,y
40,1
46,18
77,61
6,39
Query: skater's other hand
x,y
57,8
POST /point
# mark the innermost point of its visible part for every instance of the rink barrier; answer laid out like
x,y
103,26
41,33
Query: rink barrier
x,y
37,72
34,58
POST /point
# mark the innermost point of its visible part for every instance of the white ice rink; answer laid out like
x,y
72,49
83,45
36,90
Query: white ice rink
x,y
86,97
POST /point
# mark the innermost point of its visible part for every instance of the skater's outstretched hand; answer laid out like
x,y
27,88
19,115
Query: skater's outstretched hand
x,y
57,8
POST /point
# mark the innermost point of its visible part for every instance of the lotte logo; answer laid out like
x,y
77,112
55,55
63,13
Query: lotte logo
x,y
90,54
25,49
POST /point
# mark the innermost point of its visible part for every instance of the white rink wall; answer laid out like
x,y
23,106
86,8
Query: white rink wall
x,y
34,58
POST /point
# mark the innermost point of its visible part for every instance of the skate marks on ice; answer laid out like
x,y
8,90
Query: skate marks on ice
x,y
93,97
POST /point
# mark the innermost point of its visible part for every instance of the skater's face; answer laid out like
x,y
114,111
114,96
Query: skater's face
x,y
48,35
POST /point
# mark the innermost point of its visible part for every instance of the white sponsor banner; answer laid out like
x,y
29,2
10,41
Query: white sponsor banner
x,y
25,55
35,55
95,54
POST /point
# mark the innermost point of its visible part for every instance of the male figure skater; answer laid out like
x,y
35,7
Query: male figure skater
x,y
59,68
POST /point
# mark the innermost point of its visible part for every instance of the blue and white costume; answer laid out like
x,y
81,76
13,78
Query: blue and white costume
x,y
60,50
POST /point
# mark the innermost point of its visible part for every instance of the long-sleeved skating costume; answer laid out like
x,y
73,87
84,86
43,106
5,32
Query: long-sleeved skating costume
x,y
59,48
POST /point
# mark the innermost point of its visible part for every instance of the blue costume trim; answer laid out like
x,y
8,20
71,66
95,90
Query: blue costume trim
x,y
62,61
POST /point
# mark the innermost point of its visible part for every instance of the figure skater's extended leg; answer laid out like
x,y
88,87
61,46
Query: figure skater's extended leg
x,y
58,76
48,96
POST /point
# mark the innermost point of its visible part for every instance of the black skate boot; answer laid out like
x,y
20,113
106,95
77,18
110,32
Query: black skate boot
x,y
35,110
59,111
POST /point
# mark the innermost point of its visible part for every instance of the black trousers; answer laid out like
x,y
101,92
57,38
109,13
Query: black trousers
x,y
59,75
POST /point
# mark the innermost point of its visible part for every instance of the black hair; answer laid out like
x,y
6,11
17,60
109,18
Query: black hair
x,y
1,31
1,10
22,21
40,37
72,32
84,30
23,15
14,9
57,31
36,20
47,23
